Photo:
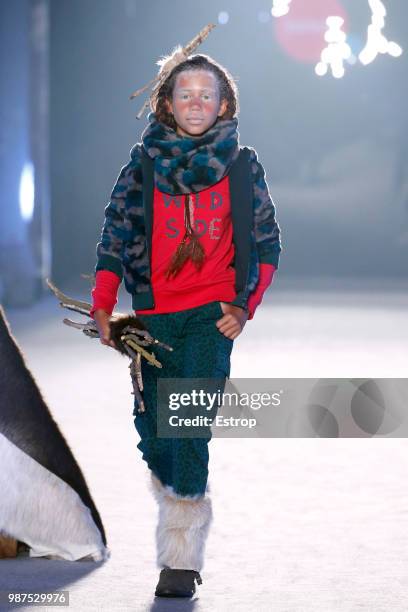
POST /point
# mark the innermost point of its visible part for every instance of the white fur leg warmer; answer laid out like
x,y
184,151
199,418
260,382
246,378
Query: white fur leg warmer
x,y
182,528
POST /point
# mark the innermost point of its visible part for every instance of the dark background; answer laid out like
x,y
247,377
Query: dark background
x,y
334,150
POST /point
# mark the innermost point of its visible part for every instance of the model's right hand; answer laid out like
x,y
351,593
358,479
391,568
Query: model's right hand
x,y
233,321
102,323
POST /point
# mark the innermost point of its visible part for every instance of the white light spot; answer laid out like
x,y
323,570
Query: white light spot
x,y
321,69
393,49
223,17
280,8
337,50
26,195
376,41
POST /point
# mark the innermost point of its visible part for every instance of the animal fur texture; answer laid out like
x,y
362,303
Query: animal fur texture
x,y
41,510
118,323
182,528
44,498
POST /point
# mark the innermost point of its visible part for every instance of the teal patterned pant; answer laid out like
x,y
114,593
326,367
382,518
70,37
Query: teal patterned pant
x,y
200,351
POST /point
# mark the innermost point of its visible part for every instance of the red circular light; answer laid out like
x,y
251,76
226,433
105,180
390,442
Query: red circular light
x,y
300,33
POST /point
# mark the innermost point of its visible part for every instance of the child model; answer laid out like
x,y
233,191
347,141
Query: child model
x,y
191,227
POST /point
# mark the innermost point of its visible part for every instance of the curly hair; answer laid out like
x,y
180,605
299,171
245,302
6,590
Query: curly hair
x,y
227,87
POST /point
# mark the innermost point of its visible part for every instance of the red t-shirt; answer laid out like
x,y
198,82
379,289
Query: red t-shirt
x,y
210,215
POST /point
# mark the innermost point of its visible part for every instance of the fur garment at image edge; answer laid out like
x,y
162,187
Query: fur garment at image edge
x,y
45,501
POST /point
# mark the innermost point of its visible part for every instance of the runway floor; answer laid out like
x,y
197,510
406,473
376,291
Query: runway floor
x,y
300,525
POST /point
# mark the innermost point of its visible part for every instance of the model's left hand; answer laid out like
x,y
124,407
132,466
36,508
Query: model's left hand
x,y
233,321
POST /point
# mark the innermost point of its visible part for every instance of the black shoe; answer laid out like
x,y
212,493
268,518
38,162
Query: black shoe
x,y
177,583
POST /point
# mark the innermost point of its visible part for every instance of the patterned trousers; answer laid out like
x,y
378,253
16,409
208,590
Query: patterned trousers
x,y
200,351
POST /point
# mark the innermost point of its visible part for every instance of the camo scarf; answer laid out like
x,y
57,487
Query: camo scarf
x,y
188,164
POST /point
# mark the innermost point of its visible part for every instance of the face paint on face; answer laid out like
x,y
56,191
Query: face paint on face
x,y
196,102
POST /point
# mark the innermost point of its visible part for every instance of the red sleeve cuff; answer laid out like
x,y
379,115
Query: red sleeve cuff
x,y
266,272
104,294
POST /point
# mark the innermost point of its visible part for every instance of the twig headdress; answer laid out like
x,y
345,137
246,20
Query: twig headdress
x,y
168,63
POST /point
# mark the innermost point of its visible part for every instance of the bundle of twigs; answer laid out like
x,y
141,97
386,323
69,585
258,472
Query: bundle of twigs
x,y
180,54
129,334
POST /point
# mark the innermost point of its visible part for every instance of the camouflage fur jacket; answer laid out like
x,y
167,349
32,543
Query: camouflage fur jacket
x,y
178,165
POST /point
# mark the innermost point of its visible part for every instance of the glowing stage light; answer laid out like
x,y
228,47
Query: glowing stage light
x,y
301,34
280,7
223,17
301,31
376,41
26,195
337,50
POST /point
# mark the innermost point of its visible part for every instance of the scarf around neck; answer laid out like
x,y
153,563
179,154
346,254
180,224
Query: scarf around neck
x,y
188,164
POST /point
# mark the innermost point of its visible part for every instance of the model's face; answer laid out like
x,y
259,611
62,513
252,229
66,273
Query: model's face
x,y
196,102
